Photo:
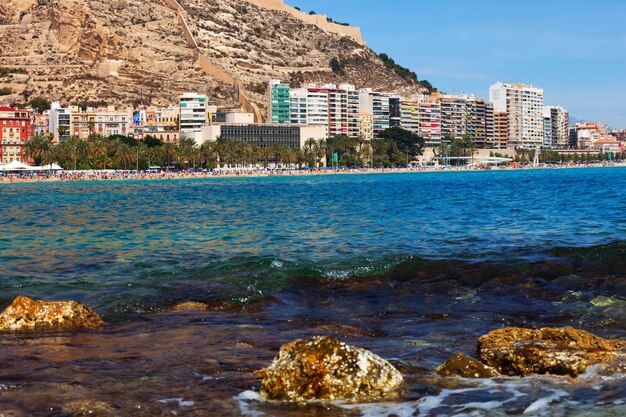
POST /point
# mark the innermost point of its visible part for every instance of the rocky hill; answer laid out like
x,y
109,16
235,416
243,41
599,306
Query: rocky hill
x,y
150,51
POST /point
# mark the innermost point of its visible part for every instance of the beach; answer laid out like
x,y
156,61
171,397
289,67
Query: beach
x,y
106,175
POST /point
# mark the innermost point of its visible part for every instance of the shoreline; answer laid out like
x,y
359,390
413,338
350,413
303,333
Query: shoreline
x,y
110,175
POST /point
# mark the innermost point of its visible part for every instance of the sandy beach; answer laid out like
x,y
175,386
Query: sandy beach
x,y
110,175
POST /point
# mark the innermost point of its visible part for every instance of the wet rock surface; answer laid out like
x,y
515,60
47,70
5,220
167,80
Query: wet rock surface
x,y
27,314
324,368
562,351
191,306
461,365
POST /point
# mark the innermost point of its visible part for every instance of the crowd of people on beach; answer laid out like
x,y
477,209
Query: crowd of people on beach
x,y
103,175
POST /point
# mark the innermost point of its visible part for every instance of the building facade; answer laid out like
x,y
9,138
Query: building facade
x,y
194,113
278,107
524,107
16,128
559,126
264,135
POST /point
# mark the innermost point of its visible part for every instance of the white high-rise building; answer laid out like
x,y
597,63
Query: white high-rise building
x,y
193,114
523,105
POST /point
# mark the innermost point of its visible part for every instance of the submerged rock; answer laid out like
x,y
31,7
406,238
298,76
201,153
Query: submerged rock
x,y
28,314
324,368
461,365
567,351
190,305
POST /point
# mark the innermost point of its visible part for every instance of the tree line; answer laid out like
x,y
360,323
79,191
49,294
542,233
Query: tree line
x,y
393,147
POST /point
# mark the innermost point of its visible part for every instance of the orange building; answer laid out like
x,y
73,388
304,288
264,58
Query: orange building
x,y
16,128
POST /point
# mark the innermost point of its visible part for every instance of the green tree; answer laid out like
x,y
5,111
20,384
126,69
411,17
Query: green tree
x,y
39,104
405,141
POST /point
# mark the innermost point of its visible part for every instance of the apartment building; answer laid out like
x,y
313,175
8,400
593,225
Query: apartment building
x,y
366,126
59,121
588,134
105,121
279,102
16,128
194,113
378,105
453,115
524,107
547,129
559,126
430,120
501,130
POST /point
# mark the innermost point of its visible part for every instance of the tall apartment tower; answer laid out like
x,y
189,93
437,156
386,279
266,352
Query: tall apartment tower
x,y
524,107
279,102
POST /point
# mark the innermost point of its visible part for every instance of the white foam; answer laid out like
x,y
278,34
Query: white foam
x,y
245,408
542,404
179,401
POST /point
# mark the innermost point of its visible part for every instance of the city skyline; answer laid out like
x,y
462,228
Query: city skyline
x,y
571,50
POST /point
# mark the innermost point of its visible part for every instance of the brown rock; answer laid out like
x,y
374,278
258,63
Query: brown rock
x,y
566,351
323,368
461,365
190,305
28,314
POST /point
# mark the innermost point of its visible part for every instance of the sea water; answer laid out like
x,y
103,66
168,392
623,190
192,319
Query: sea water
x,y
412,266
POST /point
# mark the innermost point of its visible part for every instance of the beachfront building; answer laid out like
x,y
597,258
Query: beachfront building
x,y
16,129
524,107
334,107
501,130
547,129
588,134
366,126
309,106
453,115
193,114
430,120
264,135
59,121
105,121
279,102
378,105
559,126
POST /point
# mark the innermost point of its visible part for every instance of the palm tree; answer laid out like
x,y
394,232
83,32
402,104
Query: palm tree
x,y
124,155
309,152
169,152
37,147
62,131
98,150
188,150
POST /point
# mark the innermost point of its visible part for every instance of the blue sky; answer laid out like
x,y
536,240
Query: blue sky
x,y
575,50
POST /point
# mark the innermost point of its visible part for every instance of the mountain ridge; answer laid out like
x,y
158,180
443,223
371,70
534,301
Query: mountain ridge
x,y
149,52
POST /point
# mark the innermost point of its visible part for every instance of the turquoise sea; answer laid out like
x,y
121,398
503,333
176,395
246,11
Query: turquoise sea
x,y
412,266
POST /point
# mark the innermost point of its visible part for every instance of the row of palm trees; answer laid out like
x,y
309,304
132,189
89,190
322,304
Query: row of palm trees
x,y
120,152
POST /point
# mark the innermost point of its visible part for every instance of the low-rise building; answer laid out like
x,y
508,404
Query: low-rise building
x,y
264,135
16,129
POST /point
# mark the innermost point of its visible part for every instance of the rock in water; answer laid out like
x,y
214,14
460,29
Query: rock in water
x,y
461,365
28,314
324,368
567,351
